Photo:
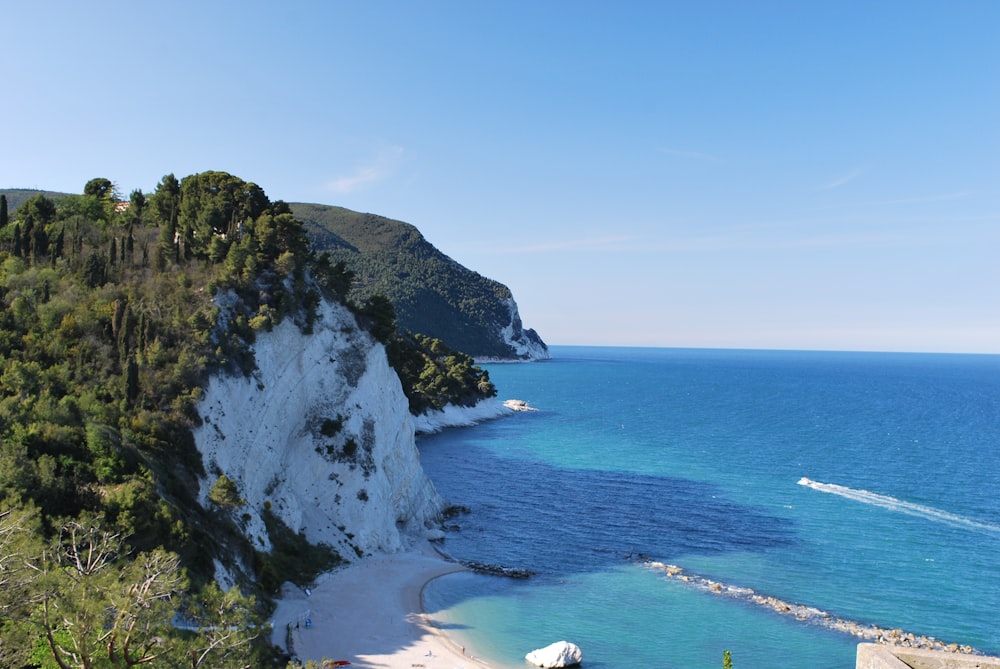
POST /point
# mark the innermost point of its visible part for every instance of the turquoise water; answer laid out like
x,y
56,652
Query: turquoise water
x,y
694,458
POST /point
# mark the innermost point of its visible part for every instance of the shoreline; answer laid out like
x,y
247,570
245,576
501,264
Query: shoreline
x,y
371,614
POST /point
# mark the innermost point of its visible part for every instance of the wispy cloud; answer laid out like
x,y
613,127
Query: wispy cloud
x,y
683,153
920,199
916,199
844,179
381,167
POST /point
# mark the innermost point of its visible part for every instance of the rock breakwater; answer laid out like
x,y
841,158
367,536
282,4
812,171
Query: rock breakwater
x,y
808,614
497,570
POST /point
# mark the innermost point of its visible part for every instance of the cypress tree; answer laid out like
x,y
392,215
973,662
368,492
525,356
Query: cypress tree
x,y
3,211
39,242
27,233
131,380
118,309
128,248
142,331
125,336
57,245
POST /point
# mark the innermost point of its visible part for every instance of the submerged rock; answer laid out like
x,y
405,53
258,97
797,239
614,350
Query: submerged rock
x,y
559,654
497,570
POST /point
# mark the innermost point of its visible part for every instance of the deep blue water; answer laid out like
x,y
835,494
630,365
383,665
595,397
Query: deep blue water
x,y
694,458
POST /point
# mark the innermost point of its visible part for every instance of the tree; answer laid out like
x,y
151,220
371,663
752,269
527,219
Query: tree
x,y
95,270
137,202
18,247
334,277
18,549
727,660
165,201
382,317
224,493
100,188
85,602
39,209
227,624
3,211
131,380
234,201
97,608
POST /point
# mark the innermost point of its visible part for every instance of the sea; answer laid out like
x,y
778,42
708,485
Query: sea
x,y
857,487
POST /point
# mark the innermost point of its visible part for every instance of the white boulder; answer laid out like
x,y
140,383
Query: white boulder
x,y
559,654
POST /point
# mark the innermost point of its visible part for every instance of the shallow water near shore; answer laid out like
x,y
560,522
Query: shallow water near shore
x,y
697,458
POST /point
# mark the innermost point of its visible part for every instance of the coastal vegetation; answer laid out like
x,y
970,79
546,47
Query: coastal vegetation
x,y
112,318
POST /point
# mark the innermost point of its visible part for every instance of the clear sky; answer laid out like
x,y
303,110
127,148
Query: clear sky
x,y
812,175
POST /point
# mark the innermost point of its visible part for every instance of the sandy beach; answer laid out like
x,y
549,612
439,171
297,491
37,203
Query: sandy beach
x,y
369,614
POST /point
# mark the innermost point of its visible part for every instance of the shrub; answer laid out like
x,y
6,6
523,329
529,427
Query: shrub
x,y
332,426
224,493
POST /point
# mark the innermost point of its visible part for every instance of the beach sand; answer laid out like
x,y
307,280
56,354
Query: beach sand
x,y
370,614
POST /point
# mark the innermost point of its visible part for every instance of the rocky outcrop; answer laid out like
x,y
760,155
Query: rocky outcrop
x,y
497,570
518,405
435,420
559,654
524,342
320,435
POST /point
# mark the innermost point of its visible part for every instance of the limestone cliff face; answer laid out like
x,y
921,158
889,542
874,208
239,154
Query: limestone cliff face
x,y
524,342
320,434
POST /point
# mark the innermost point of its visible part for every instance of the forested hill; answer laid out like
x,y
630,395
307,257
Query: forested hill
x,y
16,196
432,294
114,314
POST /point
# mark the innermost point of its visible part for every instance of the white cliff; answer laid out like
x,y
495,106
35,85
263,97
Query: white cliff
x,y
319,434
435,420
525,343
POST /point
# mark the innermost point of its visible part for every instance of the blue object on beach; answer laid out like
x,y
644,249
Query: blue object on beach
x,y
309,622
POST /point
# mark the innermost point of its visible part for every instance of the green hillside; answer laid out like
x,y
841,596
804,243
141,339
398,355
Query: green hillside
x,y
108,333
432,294
17,196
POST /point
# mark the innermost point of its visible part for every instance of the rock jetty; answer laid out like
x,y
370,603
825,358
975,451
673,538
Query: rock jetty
x,y
808,614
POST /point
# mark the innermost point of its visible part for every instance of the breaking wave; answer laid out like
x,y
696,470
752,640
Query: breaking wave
x,y
909,508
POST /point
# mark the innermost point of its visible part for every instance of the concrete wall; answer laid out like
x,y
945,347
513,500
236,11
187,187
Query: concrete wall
x,y
876,656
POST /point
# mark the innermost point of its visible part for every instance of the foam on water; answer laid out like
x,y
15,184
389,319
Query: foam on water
x,y
893,504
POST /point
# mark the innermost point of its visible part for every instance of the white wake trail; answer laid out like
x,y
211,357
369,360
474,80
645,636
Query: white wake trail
x,y
909,508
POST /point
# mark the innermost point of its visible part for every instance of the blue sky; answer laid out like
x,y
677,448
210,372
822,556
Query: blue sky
x,y
808,175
